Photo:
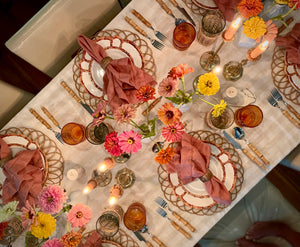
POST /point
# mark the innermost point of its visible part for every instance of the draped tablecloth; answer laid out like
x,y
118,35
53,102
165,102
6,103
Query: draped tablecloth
x,y
275,137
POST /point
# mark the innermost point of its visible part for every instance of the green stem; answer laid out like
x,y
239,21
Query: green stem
x,y
290,11
207,102
268,10
17,216
147,116
61,211
108,117
132,123
183,84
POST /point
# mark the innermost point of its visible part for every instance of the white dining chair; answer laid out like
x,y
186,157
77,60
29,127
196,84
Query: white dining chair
x,y
48,40
263,203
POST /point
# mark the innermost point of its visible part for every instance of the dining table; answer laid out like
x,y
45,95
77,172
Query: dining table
x,y
275,136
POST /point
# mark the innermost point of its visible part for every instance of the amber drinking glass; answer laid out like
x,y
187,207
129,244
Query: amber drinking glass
x,y
248,116
135,216
183,36
211,26
73,133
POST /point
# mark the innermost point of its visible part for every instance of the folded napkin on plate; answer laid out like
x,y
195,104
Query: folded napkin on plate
x,y
121,79
94,240
227,7
291,42
191,161
5,154
24,177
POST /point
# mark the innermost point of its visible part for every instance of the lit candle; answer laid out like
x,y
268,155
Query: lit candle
x,y
112,200
229,33
92,184
116,191
259,49
107,164
217,70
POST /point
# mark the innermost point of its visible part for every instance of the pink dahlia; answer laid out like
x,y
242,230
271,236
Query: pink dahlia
x,y
52,243
167,87
28,215
124,113
130,141
79,215
51,199
100,113
173,132
111,144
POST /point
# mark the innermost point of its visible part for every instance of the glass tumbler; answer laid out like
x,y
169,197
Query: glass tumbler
x,y
73,133
224,121
248,116
183,36
211,26
135,216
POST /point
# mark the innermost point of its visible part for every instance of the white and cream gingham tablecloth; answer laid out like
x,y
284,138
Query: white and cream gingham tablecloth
x,y
275,137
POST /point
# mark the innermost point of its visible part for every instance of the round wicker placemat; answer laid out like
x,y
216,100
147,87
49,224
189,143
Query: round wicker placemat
x,y
52,153
149,65
195,8
280,78
226,146
120,238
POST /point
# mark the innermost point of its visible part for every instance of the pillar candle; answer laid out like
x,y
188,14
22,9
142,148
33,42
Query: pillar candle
x,y
229,33
259,49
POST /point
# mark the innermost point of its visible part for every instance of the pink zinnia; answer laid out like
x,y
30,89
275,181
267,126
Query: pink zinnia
x,y
167,87
100,113
124,113
52,243
51,199
111,144
28,215
173,132
79,215
180,71
130,141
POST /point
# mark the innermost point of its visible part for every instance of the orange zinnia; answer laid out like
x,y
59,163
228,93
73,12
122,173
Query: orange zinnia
x,y
248,8
164,155
168,114
71,239
180,71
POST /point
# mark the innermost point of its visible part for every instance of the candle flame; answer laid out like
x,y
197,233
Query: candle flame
x,y
265,44
102,167
112,200
86,190
217,70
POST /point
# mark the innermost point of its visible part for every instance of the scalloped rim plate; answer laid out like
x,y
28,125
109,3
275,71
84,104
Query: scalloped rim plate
x,y
109,243
293,74
19,143
91,73
207,4
194,194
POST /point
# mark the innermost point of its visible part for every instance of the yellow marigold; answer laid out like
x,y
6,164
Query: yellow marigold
x,y
219,108
45,226
254,27
248,8
208,84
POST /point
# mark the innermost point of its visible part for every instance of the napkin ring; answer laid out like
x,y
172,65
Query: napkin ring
x,y
105,61
206,177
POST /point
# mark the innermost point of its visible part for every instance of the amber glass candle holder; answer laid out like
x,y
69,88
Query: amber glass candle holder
x,y
73,133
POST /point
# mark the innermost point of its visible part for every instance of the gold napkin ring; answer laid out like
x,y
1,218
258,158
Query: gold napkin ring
x,y
105,61
206,177
4,161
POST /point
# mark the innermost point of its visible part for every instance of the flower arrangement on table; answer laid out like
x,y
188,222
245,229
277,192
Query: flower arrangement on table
x,y
40,221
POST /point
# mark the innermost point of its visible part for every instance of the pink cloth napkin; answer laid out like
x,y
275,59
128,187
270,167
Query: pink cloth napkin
x,y
5,154
24,177
291,42
191,161
121,79
227,7
94,240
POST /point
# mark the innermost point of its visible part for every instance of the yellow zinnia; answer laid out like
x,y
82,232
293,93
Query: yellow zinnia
x,y
45,226
254,27
219,108
208,84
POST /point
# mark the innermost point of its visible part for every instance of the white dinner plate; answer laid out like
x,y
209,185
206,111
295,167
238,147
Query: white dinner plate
x,y
293,74
194,194
207,4
91,73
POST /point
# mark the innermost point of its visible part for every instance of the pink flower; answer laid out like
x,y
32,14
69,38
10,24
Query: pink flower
x,y
179,71
79,215
52,243
145,93
111,144
100,113
173,132
167,87
124,113
28,215
271,33
51,199
130,141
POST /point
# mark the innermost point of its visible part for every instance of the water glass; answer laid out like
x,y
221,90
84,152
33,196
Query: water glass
x,y
135,216
73,133
183,36
248,116
224,121
211,26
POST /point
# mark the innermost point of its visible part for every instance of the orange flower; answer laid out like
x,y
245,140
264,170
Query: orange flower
x,y
180,71
145,93
168,114
164,155
248,8
71,239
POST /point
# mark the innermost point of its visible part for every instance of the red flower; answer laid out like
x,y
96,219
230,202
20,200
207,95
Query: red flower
x,y
111,144
145,93
291,4
180,71
3,226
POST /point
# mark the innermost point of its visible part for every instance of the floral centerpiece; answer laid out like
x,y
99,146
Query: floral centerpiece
x,y
40,220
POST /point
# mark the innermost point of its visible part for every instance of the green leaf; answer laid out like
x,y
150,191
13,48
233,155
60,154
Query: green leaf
x,y
175,100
